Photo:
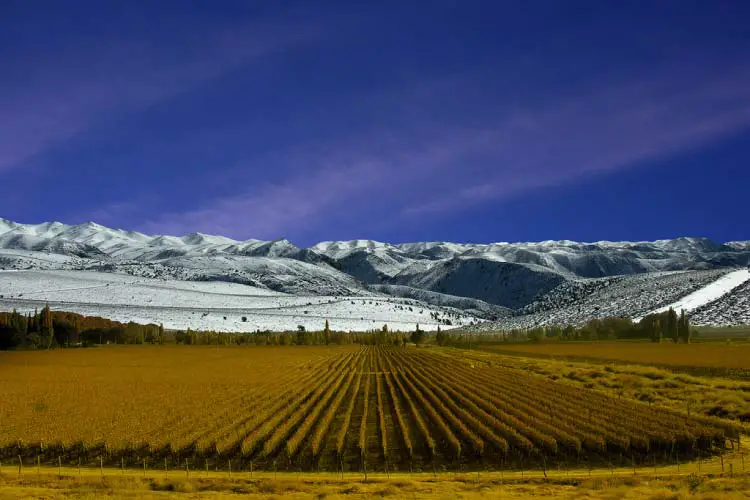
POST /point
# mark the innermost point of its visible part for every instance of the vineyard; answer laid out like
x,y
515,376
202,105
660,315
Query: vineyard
x,y
323,408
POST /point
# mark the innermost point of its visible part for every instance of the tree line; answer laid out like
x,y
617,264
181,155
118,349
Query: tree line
x,y
666,326
47,329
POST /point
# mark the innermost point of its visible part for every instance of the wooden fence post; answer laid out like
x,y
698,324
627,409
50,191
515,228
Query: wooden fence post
x,y
79,466
144,467
101,465
230,468
187,468
166,470
20,466
59,467
38,464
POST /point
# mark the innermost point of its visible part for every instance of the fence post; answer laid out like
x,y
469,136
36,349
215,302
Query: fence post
x,y
187,468
122,465
79,466
101,465
20,466
59,467
166,470
38,465
206,467
251,469
144,467
230,468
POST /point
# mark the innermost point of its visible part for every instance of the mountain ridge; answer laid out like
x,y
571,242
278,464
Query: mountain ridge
x,y
496,276
8,225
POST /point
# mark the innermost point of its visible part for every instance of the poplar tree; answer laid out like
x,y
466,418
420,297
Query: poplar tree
x,y
47,330
327,333
684,328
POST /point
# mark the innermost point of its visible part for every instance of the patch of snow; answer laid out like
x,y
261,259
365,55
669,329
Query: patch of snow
x,y
709,293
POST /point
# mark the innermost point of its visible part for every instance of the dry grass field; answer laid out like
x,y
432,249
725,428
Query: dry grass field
x,y
731,359
691,481
465,488
323,409
657,386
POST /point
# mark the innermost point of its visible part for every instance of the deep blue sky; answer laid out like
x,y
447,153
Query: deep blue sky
x,y
398,121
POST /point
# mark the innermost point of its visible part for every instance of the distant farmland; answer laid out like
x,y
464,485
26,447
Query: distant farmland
x,y
321,408
701,358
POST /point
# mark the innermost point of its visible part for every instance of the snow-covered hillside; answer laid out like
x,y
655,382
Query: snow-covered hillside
x,y
730,309
709,293
217,306
517,283
575,303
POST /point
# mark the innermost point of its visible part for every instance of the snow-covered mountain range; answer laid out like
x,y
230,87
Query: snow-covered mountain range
x,y
494,281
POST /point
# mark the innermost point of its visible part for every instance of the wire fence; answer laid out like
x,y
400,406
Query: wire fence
x,y
726,465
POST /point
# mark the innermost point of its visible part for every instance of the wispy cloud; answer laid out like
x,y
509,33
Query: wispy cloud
x,y
615,128
451,167
62,97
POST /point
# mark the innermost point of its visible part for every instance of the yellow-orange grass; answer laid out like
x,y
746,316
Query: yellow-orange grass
x,y
704,355
118,395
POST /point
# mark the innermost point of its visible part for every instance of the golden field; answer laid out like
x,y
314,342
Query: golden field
x,y
721,356
663,483
354,408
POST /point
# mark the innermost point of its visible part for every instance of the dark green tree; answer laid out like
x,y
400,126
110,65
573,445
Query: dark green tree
x,y
672,331
47,330
417,336
327,333
684,328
